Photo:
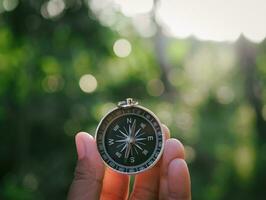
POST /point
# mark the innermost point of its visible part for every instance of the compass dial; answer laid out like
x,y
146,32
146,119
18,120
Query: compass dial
x,y
130,139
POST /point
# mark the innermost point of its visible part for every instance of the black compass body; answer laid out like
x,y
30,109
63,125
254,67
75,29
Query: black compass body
x,y
130,138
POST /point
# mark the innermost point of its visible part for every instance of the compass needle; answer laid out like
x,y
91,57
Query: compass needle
x,y
125,145
136,151
142,143
124,140
123,133
140,139
128,150
138,146
127,133
141,134
133,129
118,146
120,136
137,132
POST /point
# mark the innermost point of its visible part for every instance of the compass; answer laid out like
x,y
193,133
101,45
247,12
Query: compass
x,y
130,138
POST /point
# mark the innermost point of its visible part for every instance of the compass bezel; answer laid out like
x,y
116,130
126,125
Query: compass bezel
x,y
153,159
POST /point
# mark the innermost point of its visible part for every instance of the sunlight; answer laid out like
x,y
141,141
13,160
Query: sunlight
x,y
206,20
144,25
213,20
134,7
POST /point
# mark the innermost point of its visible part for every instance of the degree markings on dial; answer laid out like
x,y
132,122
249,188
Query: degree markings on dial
x,y
142,125
116,127
118,154
145,152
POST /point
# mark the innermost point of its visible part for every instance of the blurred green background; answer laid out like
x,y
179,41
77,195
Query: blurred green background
x,y
65,63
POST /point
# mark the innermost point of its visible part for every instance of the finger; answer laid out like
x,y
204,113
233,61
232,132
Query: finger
x,y
166,132
147,183
179,180
115,185
173,149
89,171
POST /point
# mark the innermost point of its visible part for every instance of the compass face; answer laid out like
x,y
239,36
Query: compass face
x,y
130,139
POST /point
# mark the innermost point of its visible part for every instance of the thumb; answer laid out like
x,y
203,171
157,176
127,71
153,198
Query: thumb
x,y
89,171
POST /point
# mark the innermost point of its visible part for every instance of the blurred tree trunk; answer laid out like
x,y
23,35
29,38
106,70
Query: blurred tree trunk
x,y
247,52
161,44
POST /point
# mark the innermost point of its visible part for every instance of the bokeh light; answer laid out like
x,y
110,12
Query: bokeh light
x,y
52,83
189,153
30,181
155,87
225,95
101,110
184,121
122,48
55,7
163,111
244,161
10,5
52,8
88,83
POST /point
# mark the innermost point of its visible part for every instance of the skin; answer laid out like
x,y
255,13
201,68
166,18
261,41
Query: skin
x,y
169,179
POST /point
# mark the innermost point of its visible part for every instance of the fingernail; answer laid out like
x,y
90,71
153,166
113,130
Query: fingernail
x,y
81,144
87,141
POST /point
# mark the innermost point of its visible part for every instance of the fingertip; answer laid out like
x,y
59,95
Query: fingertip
x,y
173,149
166,131
89,169
175,146
83,135
179,179
81,140
87,151
177,165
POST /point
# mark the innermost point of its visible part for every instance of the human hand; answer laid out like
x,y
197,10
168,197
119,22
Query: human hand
x,y
168,180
